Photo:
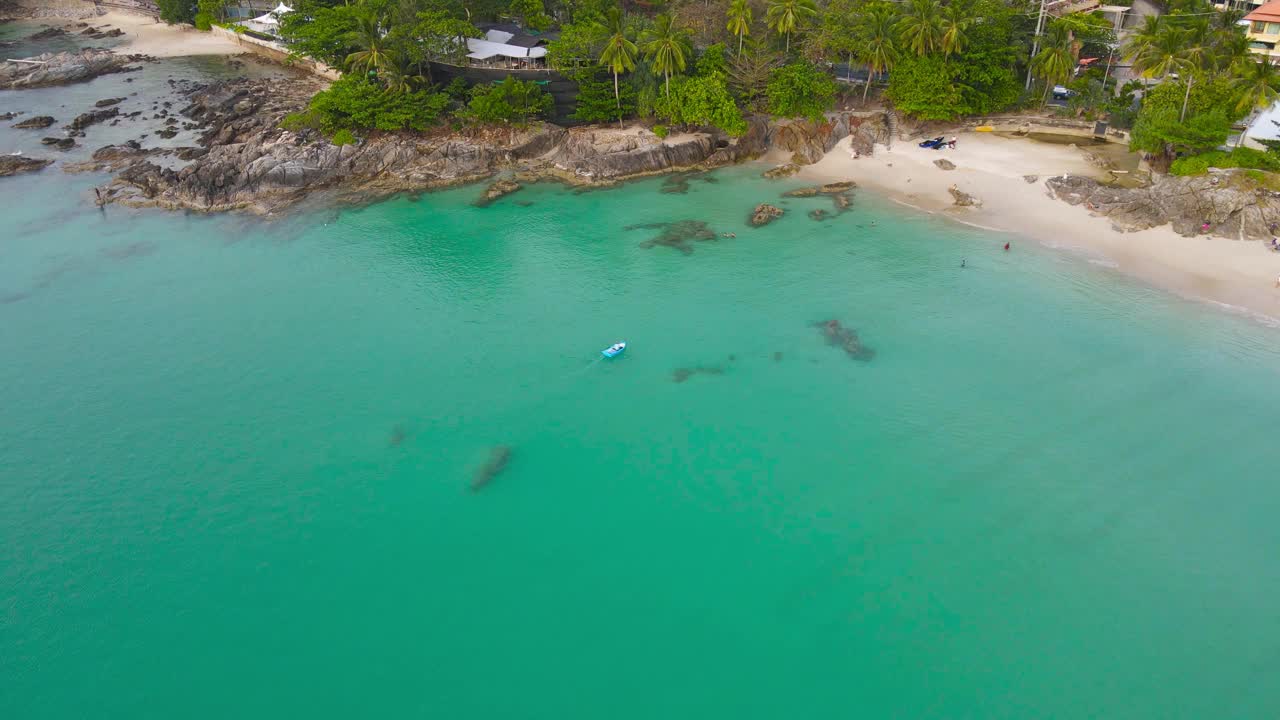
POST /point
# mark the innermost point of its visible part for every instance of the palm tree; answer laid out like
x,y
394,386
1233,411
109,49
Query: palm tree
x,y
955,21
368,36
667,47
921,26
402,73
1161,55
1258,82
619,53
740,17
1143,38
784,16
1054,63
879,40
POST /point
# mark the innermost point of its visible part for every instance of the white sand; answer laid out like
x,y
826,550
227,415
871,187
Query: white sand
x,y
146,36
991,167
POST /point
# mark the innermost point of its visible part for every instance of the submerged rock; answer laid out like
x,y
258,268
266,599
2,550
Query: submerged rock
x,y
676,235
846,339
679,375
14,164
499,456
108,102
38,122
944,164
837,187
675,184
497,189
60,143
801,193
842,202
765,214
818,214
1031,179
782,171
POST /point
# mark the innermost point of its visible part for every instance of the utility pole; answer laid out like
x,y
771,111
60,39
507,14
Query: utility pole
x,y
1035,44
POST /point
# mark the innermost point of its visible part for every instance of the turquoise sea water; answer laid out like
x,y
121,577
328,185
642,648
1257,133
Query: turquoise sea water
x,y
235,457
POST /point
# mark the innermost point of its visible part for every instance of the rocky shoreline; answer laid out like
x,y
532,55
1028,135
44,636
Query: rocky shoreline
x,y
247,162
1228,203
64,68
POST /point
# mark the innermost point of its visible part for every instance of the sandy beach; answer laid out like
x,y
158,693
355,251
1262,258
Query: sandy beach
x,y
147,36
1241,274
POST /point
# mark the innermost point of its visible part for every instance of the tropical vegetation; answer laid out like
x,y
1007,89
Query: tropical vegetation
x,y
711,63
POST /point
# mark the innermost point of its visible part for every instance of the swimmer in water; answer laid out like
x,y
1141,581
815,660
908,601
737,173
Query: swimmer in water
x,y
962,261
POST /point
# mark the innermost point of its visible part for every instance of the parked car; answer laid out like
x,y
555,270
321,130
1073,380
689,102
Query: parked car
x,y
1062,93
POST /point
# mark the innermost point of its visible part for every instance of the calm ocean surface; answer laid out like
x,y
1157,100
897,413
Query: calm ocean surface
x,y
235,457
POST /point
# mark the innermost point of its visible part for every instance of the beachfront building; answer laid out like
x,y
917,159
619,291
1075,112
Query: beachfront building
x,y
507,47
1264,30
507,50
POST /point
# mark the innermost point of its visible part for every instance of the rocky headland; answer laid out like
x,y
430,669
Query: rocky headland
x,y
1227,203
63,68
247,162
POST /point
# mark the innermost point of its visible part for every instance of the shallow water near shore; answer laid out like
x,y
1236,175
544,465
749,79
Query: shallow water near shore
x,y
236,458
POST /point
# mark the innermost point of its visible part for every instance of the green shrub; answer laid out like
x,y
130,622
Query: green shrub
x,y
302,120
203,21
354,103
661,131
343,137
800,90
703,100
510,101
1238,158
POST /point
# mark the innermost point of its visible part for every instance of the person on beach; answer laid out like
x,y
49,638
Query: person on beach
x,y
962,261
951,144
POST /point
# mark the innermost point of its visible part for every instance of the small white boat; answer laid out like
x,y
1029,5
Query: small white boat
x,y
614,350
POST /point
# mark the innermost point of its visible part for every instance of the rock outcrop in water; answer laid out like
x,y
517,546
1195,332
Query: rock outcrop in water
x,y
93,117
38,122
14,164
63,68
1233,203
765,214
497,189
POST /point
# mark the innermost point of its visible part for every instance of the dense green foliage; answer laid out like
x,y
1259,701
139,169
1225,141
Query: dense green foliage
x,y
1209,80
356,104
177,11
800,90
507,102
596,102
978,76
702,100
1238,158
704,63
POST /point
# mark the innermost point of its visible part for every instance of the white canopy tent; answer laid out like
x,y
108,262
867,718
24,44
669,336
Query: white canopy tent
x,y
267,19
282,9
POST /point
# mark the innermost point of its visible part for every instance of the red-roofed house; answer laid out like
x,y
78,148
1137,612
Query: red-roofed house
x,y
1264,30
